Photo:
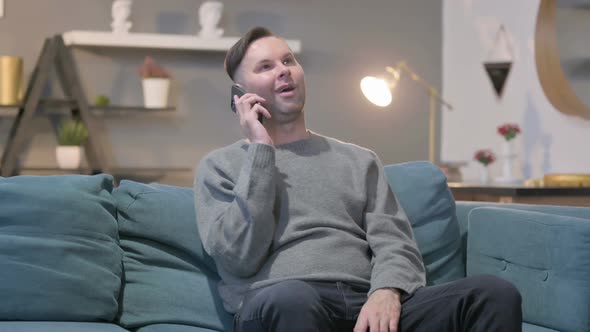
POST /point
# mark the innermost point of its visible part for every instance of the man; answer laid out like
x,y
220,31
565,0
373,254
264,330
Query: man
x,y
304,229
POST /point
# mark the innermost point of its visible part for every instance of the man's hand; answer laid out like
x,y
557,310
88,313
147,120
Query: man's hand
x,y
248,107
381,312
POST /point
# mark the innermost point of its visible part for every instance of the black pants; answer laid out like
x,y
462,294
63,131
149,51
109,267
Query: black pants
x,y
479,303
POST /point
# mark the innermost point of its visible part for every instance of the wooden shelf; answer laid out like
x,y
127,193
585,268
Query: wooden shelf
x,y
11,106
125,110
567,196
515,190
57,106
155,41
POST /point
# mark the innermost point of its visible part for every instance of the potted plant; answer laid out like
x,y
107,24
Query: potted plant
x,y
71,135
485,157
509,132
155,83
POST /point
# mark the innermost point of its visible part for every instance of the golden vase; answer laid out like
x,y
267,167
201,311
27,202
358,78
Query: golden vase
x,y
11,80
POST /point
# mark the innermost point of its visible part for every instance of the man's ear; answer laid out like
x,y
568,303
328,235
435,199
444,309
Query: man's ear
x,y
237,81
238,78
240,83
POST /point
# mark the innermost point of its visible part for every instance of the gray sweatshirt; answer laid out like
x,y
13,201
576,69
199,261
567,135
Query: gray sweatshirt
x,y
317,209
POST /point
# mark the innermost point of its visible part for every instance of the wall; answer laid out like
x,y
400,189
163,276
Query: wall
x,y
342,40
551,141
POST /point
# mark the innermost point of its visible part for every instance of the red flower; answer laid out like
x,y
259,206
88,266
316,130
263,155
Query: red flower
x,y
485,156
509,131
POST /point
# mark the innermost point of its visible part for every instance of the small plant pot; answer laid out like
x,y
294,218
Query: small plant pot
x,y
68,157
155,92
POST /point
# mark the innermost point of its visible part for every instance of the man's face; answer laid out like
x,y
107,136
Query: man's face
x,y
269,69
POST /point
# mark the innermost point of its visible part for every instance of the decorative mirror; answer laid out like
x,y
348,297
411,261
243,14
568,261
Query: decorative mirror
x,y
562,54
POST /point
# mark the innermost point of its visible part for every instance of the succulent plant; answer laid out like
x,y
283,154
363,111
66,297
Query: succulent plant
x,y
72,133
102,101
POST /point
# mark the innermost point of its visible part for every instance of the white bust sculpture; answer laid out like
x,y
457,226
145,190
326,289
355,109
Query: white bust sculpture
x,y
209,16
121,10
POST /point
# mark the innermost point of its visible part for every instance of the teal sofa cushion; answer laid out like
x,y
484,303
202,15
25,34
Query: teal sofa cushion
x,y
546,256
59,327
169,279
535,328
59,253
422,190
172,328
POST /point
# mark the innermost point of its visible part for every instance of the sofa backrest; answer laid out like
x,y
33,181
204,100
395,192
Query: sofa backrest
x,y
72,248
165,276
422,190
169,279
60,258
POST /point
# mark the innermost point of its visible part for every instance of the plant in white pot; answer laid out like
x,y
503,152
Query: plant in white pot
x,y
155,83
71,135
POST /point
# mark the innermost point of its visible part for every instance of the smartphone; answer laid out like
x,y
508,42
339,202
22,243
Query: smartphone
x,y
236,90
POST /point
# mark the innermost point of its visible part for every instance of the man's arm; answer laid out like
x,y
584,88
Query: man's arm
x,y
235,217
397,262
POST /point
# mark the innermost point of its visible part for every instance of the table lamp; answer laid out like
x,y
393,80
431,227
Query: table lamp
x,y
379,91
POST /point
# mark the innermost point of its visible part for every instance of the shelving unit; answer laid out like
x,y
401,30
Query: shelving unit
x,y
56,55
155,41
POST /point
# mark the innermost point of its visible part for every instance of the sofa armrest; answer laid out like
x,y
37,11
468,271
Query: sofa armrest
x,y
463,208
546,256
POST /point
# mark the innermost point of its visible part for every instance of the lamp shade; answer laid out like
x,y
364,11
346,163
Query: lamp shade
x,y
379,92
376,90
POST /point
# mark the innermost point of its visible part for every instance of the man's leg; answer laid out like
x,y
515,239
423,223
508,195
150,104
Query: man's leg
x,y
478,303
287,306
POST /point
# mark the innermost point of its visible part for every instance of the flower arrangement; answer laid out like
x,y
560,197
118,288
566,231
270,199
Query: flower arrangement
x,y
509,131
150,69
485,157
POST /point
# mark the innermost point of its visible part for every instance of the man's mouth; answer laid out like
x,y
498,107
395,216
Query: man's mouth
x,y
286,90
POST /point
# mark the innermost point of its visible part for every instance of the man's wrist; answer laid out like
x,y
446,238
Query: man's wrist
x,y
391,290
396,291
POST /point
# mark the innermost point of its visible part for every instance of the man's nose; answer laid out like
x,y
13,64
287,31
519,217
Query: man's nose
x,y
284,71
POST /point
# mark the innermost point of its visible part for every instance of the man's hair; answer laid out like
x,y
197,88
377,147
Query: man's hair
x,y
236,53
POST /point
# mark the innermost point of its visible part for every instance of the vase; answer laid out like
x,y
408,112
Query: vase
x,y
11,79
484,174
508,158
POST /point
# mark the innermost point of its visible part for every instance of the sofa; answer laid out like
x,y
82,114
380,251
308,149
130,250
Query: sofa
x,y
78,253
